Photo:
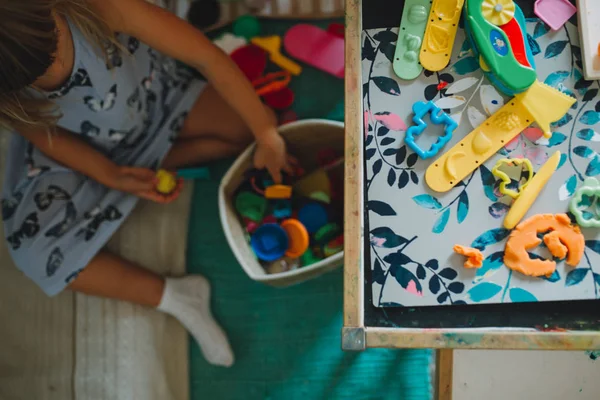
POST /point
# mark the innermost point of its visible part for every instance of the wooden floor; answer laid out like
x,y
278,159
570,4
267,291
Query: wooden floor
x,y
77,347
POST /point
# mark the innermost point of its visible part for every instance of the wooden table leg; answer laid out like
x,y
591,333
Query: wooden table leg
x,y
443,369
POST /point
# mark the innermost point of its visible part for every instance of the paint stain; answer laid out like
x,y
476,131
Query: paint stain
x,y
593,354
412,288
463,339
391,121
547,328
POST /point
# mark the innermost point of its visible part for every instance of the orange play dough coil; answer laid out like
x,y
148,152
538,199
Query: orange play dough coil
x,y
562,239
474,256
298,237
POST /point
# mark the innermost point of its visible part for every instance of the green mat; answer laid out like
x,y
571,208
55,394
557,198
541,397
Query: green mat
x,y
287,341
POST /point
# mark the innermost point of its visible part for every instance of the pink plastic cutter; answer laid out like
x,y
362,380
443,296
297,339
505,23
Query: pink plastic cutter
x,y
555,13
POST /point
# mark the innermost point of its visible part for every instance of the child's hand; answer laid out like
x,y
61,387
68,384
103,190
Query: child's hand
x,y
271,154
142,183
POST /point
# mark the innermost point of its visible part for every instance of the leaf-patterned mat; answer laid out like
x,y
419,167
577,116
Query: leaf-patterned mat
x,y
413,229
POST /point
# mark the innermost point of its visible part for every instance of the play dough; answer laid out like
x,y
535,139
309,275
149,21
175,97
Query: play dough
x,y
561,237
474,256
166,182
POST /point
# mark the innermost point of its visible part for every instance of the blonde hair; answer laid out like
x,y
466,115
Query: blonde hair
x,y
28,43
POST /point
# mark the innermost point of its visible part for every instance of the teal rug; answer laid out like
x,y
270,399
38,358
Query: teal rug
x,y
287,341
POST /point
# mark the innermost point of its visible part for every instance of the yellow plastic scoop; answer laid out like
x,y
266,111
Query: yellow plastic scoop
x,y
272,45
545,104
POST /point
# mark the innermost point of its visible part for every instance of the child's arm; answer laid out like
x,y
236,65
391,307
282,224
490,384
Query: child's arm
x,y
176,38
72,152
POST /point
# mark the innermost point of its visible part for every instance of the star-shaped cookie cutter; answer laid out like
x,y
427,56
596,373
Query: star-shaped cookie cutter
x,y
438,117
506,179
590,188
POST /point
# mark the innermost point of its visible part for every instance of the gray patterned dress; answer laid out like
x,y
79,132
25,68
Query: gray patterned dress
x,y
55,219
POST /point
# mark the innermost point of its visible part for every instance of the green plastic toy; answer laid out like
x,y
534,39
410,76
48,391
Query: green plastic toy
x,y
591,189
246,26
194,173
309,257
498,36
251,206
410,37
327,232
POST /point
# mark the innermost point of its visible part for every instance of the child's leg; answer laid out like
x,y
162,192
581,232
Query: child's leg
x,y
187,299
212,130
116,278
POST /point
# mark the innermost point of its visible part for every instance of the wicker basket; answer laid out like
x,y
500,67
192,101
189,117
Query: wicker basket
x,y
304,138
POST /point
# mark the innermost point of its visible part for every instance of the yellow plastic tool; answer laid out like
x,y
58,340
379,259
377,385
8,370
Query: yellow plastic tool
x,y
529,194
545,104
483,142
506,179
278,192
440,34
272,45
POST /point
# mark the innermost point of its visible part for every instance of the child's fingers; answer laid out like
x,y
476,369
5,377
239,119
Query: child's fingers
x,y
161,198
292,160
287,167
258,162
275,173
176,192
154,196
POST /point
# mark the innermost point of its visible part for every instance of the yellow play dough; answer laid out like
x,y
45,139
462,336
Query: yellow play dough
x,y
166,182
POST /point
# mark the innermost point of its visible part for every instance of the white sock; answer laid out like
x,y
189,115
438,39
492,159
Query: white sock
x,y
188,300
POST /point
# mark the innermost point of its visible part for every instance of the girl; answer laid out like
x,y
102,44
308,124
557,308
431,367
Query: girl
x,y
97,103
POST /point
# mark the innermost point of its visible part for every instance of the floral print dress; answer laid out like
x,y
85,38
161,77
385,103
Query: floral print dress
x,y
131,110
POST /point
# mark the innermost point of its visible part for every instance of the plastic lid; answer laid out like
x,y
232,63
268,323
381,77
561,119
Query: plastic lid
x,y
278,192
327,233
251,206
313,216
298,237
320,196
269,242
282,208
334,246
309,257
